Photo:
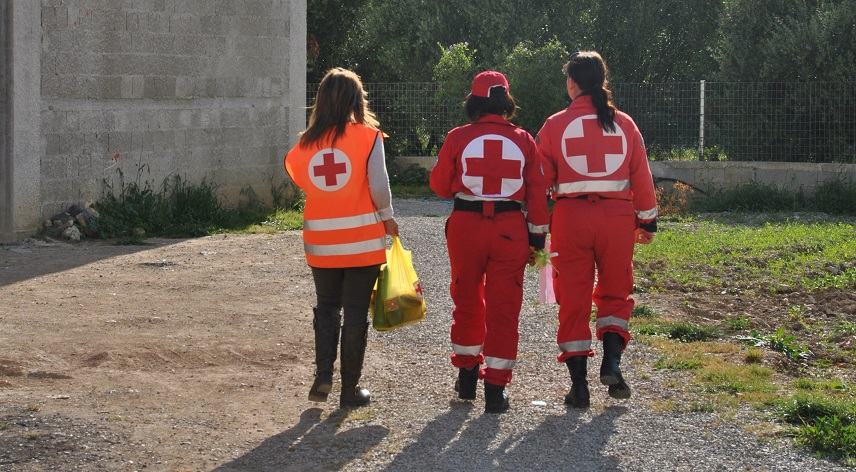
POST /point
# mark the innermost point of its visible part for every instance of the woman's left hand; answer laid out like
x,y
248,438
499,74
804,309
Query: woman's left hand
x,y
391,227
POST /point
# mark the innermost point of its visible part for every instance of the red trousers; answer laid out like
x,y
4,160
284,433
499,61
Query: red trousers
x,y
587,235
488,255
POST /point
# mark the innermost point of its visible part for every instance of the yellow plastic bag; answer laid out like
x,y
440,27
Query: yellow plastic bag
x,y
398,299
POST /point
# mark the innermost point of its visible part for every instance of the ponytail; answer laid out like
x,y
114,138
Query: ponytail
x,y
602,101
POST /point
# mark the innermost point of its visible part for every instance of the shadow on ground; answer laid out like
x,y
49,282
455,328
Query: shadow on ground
x,y
449,442
562,442
26,261
311,444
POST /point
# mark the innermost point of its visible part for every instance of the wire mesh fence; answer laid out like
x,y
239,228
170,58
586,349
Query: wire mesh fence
x,y
796,122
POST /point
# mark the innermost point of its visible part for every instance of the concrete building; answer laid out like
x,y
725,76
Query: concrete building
x,y
211,89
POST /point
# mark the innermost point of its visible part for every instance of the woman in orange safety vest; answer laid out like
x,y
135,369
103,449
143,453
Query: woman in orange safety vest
x,y
339,164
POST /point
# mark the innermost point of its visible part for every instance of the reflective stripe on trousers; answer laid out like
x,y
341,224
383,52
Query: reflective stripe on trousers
x,y
575,346
593,186
612,321
345,222
647,214
346,249
466,350
499,363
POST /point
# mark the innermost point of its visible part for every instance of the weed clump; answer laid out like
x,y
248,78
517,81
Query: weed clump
x,y
131,211
825,425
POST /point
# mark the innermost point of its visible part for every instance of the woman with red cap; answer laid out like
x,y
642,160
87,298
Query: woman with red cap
x,y
595,161
492,170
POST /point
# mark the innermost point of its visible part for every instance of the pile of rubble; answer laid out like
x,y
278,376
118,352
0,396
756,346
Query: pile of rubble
x,y
73,224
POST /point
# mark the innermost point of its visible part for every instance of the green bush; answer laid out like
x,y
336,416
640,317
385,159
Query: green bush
x,y
406,174
454,73
537,83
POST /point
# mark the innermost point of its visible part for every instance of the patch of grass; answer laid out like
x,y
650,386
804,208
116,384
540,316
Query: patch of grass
x,y
806,409
643,311
847,328
831,436
679,363
825,423
831,385
754,355
276,221
32,436
734,379
738,323
4,425
681,331
709,255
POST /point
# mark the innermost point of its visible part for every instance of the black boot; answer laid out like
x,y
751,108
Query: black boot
x,y
495,398
467,382
326,344
610,372
354,340
578,395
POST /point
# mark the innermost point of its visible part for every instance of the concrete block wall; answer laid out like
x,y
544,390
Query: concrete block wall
x,y
196,88
6,227
794,176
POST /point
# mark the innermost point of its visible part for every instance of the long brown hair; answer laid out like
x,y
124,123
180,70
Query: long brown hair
x,y
590,73
340,100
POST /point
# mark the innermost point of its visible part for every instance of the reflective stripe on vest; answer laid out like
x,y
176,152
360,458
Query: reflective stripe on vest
x,y
593,186
607,321
345,222
499,363
647,214
346,249
466,350
575,346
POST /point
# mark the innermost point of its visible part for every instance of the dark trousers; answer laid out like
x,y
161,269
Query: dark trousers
x,y
349,288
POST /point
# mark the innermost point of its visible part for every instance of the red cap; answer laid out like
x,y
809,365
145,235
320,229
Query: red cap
x,y
484,81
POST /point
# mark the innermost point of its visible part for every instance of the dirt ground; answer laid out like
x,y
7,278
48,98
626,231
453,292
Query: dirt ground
x,y
174,355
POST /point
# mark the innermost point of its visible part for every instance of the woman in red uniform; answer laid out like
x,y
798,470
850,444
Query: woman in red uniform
x,y
339,165
596,164
492,170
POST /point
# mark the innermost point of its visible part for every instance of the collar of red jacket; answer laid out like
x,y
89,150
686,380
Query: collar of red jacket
x,y
491,118
582,102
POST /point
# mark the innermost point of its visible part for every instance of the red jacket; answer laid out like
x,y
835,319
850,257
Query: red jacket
x,y
493,160
581,158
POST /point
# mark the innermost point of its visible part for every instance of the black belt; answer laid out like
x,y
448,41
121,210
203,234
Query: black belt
x,y
477,205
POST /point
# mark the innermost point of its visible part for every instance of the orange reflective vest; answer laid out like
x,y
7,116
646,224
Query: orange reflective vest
x,y
341,227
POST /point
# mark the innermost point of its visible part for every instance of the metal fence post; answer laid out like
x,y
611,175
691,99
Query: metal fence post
x,y
701,122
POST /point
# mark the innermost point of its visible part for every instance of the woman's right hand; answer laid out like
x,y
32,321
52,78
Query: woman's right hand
x,y
391,227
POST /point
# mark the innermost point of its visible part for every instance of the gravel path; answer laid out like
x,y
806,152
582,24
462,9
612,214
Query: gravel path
x,y
414,423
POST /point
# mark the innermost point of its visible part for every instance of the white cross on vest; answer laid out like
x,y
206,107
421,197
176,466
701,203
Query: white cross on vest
x,y
493,166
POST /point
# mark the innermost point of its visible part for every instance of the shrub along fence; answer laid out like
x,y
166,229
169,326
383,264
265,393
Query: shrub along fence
x,y
738,121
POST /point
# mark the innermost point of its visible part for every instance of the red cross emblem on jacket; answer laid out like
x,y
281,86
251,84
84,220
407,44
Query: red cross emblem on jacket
x,y
493,166
330,169
603,152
